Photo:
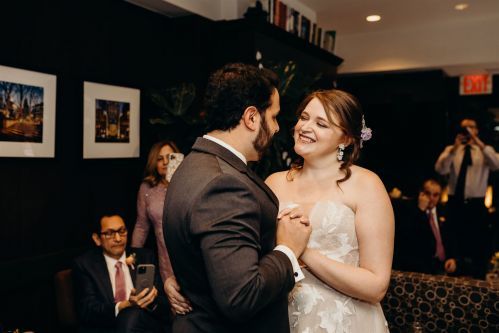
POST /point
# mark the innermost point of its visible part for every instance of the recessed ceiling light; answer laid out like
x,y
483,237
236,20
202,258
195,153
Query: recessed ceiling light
x,y
373,18
461,6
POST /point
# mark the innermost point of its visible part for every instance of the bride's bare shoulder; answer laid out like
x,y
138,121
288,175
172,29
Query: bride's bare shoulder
x,y
364,176
277,179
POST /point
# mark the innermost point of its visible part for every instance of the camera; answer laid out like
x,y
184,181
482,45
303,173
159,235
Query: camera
x,y
142,269
464,132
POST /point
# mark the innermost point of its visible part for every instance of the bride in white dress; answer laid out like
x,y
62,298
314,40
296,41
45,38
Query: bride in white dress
x,y
349,255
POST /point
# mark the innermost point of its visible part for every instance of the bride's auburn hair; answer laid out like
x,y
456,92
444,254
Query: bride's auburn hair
x,y
348,112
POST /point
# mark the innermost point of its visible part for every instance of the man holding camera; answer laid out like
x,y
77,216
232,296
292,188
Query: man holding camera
x,y
105,297
468,163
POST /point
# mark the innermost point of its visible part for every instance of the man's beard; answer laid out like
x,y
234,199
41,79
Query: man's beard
x,y
263,138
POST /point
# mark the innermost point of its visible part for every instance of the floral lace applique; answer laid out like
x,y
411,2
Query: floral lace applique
x,y
330,236
342,247
314,306
304,297
336,320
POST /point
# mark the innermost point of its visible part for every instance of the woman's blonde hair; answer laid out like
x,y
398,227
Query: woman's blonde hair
x,y
151,175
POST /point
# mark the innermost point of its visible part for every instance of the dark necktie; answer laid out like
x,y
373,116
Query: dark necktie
x,y
461,179
120,286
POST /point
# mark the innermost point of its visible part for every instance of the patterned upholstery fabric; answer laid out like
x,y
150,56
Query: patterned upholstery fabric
x,y
440,304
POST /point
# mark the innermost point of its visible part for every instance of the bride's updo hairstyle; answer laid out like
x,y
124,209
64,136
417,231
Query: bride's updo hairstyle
x,y
346,109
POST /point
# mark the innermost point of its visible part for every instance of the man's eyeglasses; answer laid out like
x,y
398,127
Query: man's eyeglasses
x,y
108,234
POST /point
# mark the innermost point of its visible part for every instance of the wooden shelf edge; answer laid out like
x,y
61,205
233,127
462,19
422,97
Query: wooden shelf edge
x,y
276,32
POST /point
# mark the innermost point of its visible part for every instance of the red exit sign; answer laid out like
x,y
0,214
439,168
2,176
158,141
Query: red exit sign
x,y
479,84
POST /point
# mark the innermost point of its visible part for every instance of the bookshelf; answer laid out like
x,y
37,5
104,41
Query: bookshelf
x,y
239,40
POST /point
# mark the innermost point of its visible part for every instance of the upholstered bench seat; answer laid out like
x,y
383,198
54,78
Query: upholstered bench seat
x,y
440,304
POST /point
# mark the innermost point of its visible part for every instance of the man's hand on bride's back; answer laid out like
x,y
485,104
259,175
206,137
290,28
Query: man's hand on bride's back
x,y
293,230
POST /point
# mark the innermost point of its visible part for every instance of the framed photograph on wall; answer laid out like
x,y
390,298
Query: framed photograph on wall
x,y
27,113
111,126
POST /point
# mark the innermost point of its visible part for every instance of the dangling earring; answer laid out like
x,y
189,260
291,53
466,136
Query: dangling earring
x,y
341,151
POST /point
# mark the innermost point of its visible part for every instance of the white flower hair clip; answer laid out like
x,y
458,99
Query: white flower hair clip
x,y
365,133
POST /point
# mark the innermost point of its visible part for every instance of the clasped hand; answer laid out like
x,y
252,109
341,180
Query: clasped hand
x,y
293,230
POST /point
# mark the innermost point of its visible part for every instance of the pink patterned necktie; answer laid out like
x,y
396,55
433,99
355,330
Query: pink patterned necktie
x,y
119,283
440,252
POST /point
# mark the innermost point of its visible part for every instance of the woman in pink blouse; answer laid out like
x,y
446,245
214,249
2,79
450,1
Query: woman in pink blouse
x,y
150,200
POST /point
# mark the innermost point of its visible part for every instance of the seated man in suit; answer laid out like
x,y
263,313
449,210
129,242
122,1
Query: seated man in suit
x,y
103,277
424,242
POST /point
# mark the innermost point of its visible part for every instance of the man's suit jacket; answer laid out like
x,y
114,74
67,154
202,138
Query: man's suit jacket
x,y
415,244
220,225
94,297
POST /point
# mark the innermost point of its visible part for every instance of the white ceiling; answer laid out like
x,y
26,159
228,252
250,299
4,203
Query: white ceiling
x,y
348,16
412,34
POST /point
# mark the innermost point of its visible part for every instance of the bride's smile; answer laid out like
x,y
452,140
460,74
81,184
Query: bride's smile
x,y
305,139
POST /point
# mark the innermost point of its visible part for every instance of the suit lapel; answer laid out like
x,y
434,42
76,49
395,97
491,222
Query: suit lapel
x,y
133,268
263,186
210,147
103,276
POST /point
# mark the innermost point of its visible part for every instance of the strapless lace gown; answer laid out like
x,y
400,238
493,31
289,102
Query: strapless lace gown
x,y
313,305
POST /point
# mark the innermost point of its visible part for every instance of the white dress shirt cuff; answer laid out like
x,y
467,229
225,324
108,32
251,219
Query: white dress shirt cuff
x,y
116,310
298,274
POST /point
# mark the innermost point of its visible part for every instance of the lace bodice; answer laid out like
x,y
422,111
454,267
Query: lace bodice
x,y
313,305
333,232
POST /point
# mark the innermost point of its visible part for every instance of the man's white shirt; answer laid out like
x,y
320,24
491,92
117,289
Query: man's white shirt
x,y
111,268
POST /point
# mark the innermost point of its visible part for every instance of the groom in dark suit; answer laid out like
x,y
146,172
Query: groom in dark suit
x,y
103,284
220,219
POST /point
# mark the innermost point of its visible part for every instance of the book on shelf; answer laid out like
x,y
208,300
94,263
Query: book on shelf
x,y
314,33
283,15
289,19
266,8
270,10
276,12
329,40
305,28
293,21
318,41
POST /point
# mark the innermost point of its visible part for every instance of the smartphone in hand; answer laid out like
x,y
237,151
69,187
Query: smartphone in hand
x,y
174,160
144,278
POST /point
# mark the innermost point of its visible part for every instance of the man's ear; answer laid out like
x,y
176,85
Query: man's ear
x,y
96,239
251,118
